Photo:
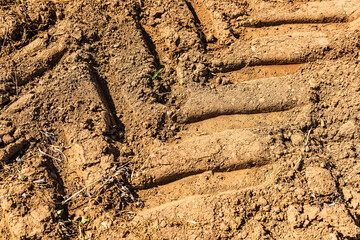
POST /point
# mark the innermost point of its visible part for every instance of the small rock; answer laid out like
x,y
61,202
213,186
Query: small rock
x,y
104,224
77,34
299,192
262,201
306,223
218,80
276,209
126,151
297,139
322,123
226,81
146,125
314,83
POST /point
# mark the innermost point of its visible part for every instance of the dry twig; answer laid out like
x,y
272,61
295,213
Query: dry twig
x,y
45,154
48,143
78,192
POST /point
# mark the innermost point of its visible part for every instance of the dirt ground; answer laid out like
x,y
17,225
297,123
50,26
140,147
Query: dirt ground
x,y
181,119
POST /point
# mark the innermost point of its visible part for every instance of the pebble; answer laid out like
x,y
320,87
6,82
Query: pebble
x,y
297,139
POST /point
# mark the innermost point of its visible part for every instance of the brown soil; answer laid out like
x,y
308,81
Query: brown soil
x,y
249,131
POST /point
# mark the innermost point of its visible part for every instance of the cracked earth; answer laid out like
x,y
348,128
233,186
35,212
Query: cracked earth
x,y
248,131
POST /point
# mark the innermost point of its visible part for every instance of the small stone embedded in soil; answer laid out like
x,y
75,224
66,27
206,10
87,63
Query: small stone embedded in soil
x,y
320,181
297,139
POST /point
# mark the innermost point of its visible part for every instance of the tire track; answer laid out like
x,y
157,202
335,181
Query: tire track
x,y
173,166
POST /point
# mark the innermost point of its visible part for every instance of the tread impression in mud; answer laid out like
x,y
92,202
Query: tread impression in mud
x,y
196,119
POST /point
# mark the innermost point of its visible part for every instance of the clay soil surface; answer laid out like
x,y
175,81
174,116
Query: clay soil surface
x,y
179,119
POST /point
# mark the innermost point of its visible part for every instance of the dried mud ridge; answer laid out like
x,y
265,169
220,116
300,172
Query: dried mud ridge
x,y
250,131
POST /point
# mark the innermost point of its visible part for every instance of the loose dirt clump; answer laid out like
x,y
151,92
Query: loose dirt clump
x,y
179,119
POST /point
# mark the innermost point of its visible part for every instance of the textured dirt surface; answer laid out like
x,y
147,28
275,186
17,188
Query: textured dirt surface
x,y
249,129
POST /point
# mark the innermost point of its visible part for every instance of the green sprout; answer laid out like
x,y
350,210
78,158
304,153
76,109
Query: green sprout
x,y
157,72
60,212
83,220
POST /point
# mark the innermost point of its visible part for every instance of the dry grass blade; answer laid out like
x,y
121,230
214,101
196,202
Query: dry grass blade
x,y
80,191
57,150
48,144
64,229
45,154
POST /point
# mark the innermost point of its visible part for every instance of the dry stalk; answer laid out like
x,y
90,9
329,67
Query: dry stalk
x,y
64,230
16,85
81,190
57,150
48,143
45,154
